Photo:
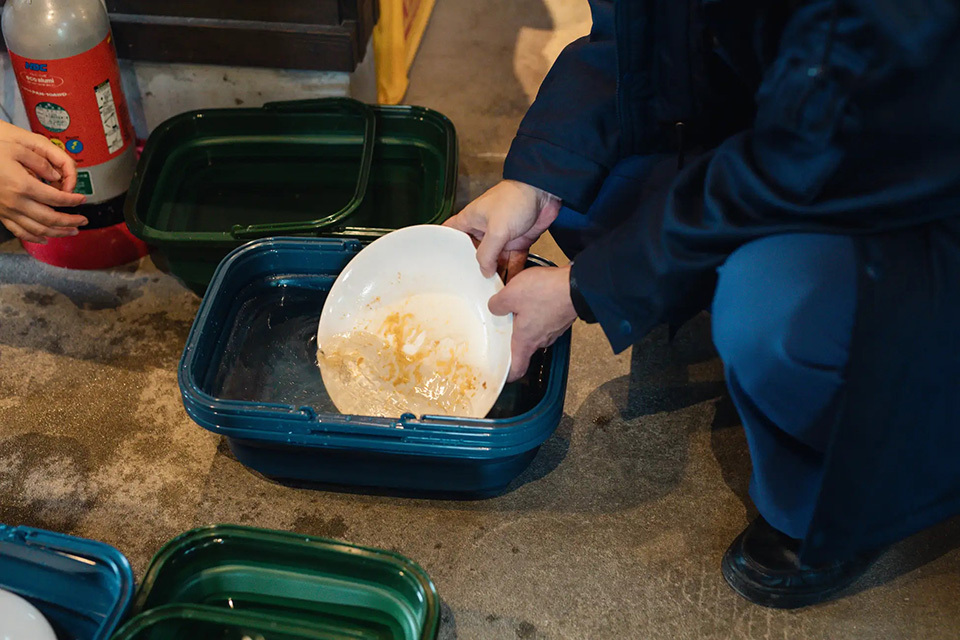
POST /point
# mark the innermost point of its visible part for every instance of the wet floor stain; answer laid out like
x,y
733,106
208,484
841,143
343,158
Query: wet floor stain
x,y
333,527
44,481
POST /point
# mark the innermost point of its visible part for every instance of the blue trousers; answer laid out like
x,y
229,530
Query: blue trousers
x,y
782,318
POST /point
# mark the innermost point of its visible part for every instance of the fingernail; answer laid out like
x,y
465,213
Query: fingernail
x,y
84,223
74,232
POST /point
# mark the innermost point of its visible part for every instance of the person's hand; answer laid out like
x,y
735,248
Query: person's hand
x,y
26,203
506,220
539,299
59,159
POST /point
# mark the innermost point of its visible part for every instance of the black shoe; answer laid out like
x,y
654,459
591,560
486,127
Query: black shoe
x,y
763,566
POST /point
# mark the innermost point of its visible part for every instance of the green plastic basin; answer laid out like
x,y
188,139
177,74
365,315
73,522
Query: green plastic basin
x,y
180,622
222,580
209,181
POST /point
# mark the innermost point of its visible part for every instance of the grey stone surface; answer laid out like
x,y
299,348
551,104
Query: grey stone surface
x,y
615,531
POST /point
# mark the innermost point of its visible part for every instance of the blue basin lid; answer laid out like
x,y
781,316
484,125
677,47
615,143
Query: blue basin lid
x,y
82,587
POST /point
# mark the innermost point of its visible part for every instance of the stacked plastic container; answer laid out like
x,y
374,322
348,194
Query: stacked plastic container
x,y
286,280
82,587
224,582
344,173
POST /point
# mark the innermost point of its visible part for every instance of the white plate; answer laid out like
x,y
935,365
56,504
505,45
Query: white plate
x,y
430,272
20,620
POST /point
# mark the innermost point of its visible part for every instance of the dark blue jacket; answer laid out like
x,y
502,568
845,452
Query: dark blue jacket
x,y
837,116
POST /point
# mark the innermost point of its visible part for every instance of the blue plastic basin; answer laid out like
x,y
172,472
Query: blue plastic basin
x,y
249,373
80,586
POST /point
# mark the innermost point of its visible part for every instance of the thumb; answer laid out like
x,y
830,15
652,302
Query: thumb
x,y
491,246
501,304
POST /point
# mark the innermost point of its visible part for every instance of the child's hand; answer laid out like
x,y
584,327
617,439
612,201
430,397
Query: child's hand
x,y
26,159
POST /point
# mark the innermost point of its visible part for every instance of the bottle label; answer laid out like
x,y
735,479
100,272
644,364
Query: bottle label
x,y
77,102
84,183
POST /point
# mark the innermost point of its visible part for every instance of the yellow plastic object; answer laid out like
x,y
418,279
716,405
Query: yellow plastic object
x,y
395,41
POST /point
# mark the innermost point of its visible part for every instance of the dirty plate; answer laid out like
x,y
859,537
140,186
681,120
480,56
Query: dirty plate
x,y
406,329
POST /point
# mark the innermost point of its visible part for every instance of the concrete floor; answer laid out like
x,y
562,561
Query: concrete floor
x,y
616,530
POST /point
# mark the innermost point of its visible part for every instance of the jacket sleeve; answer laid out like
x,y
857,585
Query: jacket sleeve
x,y
855,133
568,139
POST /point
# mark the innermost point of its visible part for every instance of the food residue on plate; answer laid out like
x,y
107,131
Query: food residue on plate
x,y
401,367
